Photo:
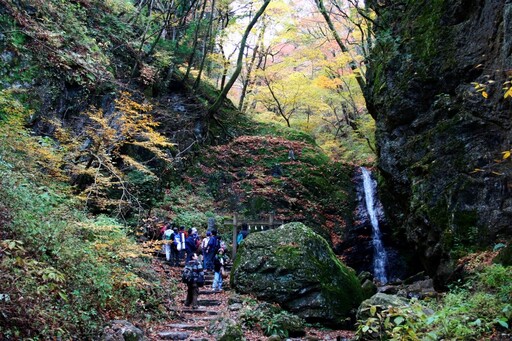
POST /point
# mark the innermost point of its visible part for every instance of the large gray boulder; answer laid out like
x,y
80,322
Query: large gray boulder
x,y
296,268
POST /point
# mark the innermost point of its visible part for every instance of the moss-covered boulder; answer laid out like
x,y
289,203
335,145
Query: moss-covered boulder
x,y
295,267
225,329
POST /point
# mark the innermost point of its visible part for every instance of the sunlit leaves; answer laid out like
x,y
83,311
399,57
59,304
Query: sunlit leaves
x,y
508,89
100,155
325,82
481,88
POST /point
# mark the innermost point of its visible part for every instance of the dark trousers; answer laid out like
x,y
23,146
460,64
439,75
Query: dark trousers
x,y
192,294
190,253
209,260
174,255
178,257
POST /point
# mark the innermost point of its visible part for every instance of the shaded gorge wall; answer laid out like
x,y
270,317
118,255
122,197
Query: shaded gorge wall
x,y
437,137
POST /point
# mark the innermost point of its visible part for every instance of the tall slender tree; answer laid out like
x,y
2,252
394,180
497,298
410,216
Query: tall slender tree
x,y
220,99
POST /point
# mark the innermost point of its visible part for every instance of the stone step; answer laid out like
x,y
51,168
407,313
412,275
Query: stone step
x,y
199,311
187,326
173,335
212,292
206,302
203,318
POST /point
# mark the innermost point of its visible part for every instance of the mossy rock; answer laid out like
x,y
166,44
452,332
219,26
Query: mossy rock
x,y
505,256
381,301
226,329
296,268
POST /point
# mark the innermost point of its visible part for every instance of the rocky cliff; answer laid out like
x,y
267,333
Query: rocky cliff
x,y
436,89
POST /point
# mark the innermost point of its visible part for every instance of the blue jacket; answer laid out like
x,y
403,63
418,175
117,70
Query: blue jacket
x,y
190,243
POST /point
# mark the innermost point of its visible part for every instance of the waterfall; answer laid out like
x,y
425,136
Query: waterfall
x,y
380,258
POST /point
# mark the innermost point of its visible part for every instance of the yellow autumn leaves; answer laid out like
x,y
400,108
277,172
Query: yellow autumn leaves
x,y
482,88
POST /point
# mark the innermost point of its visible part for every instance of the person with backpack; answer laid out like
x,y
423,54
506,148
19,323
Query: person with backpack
x,y
218,267
174,250
221,243
211,250
168,237
193,276
180,239
204,244
243,234
191,243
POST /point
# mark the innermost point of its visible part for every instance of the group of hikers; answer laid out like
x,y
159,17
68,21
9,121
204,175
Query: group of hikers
x,y
201,253
181,244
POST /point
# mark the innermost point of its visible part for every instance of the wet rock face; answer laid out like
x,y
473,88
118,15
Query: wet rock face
x,y
434,129
296,268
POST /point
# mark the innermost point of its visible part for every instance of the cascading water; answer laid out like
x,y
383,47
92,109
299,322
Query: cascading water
x,y
380,258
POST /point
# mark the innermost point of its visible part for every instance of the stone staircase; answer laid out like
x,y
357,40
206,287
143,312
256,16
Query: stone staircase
x,y
192,324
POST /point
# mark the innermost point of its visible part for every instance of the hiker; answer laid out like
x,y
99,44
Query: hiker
x,y
191,243
242,234
204,244
194,277
168,237
174,250
180,239
218,267
221,243
211,249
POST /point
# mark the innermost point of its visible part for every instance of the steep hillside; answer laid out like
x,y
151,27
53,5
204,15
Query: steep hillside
x,y
96,135
130,128
440,71
255,175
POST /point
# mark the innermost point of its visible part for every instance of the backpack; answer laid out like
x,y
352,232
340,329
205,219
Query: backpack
x,y
168,234
204,243
199,278
213,245
193,273
186,275
180,241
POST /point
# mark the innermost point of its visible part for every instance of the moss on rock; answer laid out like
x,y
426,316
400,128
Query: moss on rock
x,y
295,267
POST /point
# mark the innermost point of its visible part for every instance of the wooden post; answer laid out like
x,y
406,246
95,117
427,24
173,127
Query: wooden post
x,y
235,234
271,220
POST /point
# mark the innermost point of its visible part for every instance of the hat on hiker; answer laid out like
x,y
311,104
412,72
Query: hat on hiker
x,y
208,233
194,230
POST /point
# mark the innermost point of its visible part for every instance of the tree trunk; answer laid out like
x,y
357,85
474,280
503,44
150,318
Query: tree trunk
x,y
344,49
220,99
249,69
205,47
196,38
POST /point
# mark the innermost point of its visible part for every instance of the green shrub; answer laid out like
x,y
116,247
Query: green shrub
x,y
271,319
394,323
473,310
62,274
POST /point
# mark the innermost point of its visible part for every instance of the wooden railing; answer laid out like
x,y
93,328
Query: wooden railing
x,y
253,226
